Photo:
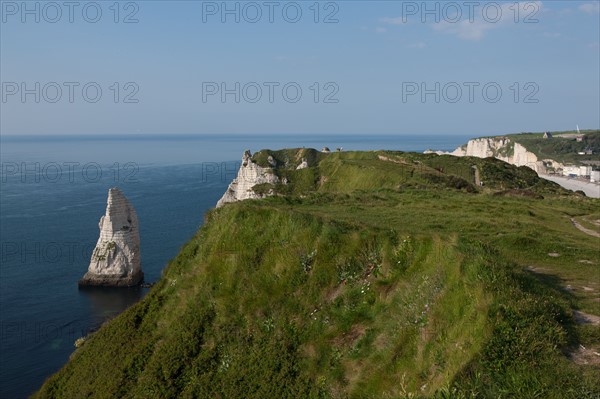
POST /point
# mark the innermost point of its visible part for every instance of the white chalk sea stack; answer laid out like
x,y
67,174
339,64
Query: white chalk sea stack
x,y
116,259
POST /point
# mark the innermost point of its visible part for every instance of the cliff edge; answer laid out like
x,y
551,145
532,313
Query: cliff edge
x,y
249,175
367,275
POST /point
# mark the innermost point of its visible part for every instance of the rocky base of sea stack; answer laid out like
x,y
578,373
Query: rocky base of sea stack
x,y
104,280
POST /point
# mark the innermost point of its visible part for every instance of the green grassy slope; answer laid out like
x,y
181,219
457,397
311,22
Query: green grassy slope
x,y
370,275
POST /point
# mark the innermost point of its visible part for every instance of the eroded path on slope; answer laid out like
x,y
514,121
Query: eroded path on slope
x,y
584,229
588,354
585,355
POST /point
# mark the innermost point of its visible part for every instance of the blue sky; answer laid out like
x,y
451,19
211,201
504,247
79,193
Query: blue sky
x,y
363,74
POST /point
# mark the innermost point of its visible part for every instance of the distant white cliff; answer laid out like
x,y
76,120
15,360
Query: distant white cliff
x,y
116,260
504,149
249,175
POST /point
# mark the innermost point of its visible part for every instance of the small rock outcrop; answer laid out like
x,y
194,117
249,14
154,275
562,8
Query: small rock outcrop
x,y
249,175
116,260
303,165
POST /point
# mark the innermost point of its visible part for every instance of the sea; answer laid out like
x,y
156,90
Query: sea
x,y
53,191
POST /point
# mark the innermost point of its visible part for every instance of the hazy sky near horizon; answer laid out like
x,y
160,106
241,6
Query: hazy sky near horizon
x,y
353,67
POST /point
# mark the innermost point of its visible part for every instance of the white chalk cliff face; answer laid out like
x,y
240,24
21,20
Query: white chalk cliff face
x,y
249,175
116,260
503,149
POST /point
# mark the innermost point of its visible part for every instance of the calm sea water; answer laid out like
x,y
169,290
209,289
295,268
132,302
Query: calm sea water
x,y
53,192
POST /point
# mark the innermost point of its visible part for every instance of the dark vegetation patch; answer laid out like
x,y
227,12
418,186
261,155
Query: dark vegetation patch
x,y
519,193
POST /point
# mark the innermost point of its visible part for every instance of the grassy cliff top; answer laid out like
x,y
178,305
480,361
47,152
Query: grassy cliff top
x,y
369,275
376,170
